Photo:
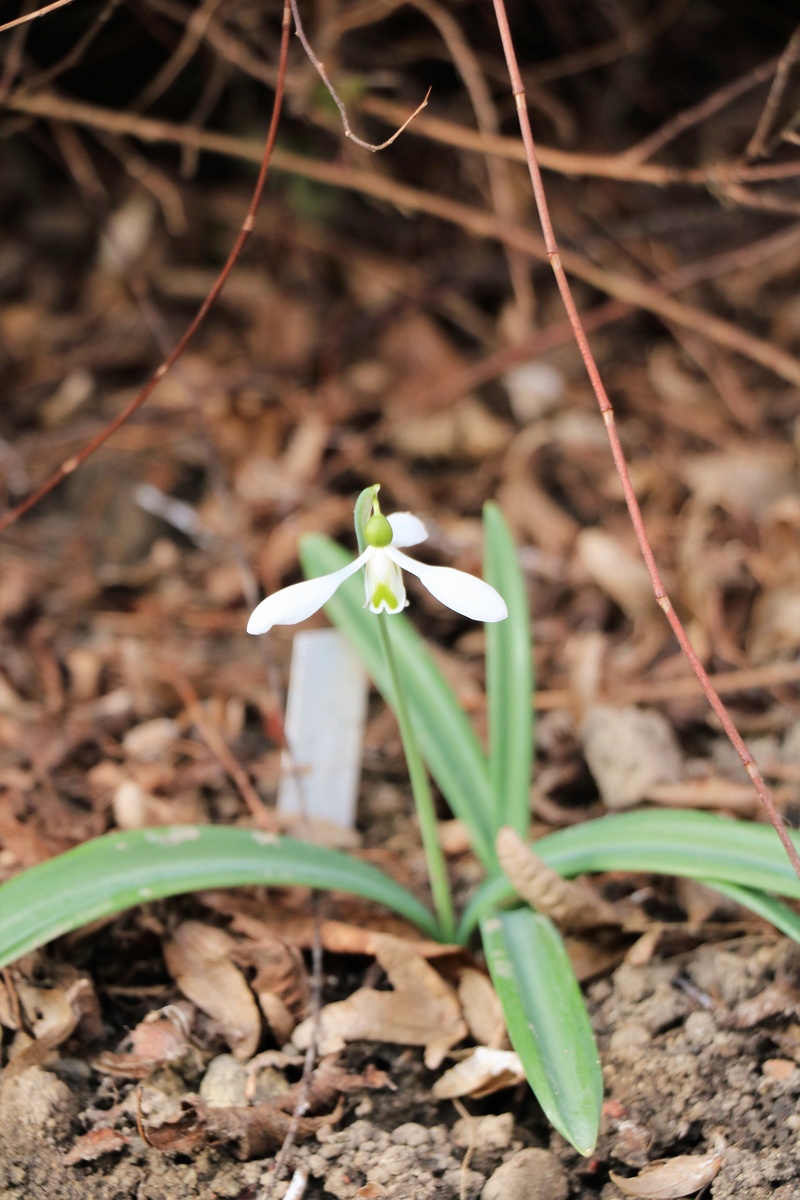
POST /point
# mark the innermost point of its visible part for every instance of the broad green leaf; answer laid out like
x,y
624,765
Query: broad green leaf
x,y
446,739
509,680
120,870
698,845
547,1021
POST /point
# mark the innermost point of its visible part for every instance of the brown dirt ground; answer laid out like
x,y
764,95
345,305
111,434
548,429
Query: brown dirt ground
x,y
695,1049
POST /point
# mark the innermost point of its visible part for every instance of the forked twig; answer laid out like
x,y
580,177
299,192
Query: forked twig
x,y
169,361
662,599
323,74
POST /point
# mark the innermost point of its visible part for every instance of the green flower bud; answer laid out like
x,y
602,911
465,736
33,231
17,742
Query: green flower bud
x,y
378,531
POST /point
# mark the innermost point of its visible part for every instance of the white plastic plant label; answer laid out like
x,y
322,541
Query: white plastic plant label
x,y
325,713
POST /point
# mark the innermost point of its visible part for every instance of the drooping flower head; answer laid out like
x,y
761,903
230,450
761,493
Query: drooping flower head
x,y
380,540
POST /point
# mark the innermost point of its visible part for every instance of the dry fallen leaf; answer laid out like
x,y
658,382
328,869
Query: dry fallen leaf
x,y
628,750
672,1178
281,982
254,1131
466,429
329,1082
779,998
52,1014
745,479
485,1071
162,1037
618,569
482,1009
94,1144
199,959
422,1010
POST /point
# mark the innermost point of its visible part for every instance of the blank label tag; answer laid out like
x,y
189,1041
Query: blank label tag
x,y
325,712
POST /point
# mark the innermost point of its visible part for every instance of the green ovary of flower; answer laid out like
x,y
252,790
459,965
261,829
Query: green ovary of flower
x,y
378,531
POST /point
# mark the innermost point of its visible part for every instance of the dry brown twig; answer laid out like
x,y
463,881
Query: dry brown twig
x,y
607,411
497,169
634,37
192,38
480,223
689,117
320,69
757,144
12,62
33,16
75,52
263,817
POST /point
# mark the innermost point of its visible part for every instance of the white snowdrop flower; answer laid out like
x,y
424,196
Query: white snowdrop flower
x,y
383,562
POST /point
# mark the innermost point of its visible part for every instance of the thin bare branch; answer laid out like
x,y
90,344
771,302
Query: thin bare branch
x,y
482,224
497,169
320,69
607,411
75,52
192,38
12,63
699,112
633,38
33,16
263,817
756,145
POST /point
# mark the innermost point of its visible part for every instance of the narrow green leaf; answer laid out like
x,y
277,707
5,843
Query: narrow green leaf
x,y
699,845
446,739
120,870
547,1021
778,914
509,679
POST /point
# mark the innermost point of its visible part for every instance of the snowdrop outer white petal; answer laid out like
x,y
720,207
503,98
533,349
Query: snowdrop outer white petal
x,y
383,583
293,604
407,530
465,594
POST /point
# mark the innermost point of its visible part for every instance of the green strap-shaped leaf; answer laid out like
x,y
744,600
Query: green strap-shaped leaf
x,y
698,845
778,914
120,870
547,1021
509,679
446,739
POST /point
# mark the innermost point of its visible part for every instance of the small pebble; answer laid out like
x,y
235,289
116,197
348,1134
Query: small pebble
x,y
410,1134
530,1175
699,1029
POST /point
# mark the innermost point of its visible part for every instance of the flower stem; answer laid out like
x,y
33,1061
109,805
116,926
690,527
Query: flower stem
x,y
423,797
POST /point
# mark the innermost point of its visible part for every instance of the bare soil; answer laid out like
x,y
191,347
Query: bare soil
x,y
698,1050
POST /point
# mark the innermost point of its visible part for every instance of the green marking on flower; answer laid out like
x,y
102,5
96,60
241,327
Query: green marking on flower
x,y
380,542
378,531
382,594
